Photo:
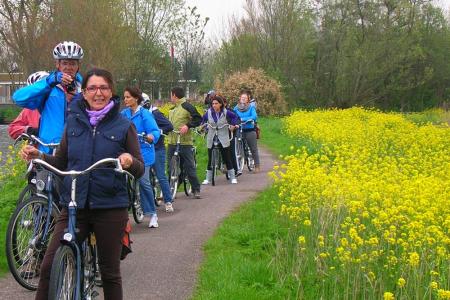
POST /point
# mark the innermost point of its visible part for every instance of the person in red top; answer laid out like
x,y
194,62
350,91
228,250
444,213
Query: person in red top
x,y
28,120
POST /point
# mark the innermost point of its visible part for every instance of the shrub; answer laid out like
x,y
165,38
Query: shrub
x,y
266,90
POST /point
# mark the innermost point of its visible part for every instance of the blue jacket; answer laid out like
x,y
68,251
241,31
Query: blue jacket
x,y
51,103
164,125
103,188
249,114
145,123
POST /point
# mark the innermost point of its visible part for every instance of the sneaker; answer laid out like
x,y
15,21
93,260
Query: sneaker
x,y
233,181
153,222
197,195
205,182
237,174
169,207
256,170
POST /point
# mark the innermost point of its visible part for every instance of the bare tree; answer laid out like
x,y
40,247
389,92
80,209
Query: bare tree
x,y
23,24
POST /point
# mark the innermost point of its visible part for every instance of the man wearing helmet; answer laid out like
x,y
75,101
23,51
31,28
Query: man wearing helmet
x,y
28,120
51,96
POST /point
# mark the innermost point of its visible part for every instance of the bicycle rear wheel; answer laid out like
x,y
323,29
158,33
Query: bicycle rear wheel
x,y
63,275
249,158
136,208
187,185
154,183
240,156
90,266
26,240
250,162
174,167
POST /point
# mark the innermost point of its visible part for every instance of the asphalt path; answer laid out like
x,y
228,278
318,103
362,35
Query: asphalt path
x,y
165,261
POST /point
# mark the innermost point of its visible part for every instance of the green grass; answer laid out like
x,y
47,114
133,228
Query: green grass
x,y
242,259
238,257
274,139
9,113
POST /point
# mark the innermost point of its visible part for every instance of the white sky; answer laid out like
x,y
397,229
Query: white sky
x,y
219,12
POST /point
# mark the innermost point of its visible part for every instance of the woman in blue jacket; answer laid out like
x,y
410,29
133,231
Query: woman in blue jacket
x,y
247,112
145,124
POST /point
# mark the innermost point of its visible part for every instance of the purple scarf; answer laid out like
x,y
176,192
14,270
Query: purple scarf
x,y
96,116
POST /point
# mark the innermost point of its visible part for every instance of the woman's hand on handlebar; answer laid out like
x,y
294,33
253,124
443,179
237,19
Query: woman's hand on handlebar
x,y
29,152
184,129
125,160
150,138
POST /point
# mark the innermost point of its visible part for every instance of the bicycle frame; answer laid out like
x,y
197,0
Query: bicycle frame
x,y
216,161
246,149
69,237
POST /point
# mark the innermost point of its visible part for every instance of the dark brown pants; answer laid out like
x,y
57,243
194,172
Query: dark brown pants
x,y
108,226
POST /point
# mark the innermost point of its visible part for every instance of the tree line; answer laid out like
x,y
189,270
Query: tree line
x,y
390,54
132,39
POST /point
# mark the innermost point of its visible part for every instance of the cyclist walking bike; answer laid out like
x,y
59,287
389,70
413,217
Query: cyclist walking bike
x,y
94,130
219,122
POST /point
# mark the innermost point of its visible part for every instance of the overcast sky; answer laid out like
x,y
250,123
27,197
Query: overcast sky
x,y
218,11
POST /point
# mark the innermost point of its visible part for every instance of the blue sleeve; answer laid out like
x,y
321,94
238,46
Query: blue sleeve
x,y
162,122
150,125
32,96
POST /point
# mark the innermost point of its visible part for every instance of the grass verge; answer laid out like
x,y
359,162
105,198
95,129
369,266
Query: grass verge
x,y
239,259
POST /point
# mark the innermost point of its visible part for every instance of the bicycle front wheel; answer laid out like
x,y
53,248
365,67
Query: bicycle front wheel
x,y
27,237
63,276
215,165
174,173
26,193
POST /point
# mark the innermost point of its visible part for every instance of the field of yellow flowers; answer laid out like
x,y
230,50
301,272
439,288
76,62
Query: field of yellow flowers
x,y
370,204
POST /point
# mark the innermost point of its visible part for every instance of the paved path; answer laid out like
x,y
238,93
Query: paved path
x,y
165,261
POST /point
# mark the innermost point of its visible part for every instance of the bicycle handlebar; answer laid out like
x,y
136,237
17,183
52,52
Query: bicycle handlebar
x,y
217,127
33,138
96,165
248,121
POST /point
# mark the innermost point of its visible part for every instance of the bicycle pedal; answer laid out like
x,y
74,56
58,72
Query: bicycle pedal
x,y
94,294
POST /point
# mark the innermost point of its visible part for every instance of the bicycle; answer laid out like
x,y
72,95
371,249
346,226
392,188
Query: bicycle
x,y
134,196
74,269
157,191
30,188
177,174
243,153
31,224
216,158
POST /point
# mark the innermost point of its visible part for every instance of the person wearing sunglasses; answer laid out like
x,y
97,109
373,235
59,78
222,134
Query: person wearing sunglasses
x,y
52,95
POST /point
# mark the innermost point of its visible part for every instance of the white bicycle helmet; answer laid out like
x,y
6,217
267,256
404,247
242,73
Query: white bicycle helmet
x,y
145,100
36,77
68,50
